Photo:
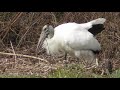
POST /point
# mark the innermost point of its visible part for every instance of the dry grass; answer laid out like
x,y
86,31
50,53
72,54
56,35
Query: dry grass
x,y
22,29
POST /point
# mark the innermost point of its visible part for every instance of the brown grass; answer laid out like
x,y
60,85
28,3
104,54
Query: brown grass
x,y
23,30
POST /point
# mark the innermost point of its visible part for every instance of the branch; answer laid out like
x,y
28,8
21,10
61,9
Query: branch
x,y
27,56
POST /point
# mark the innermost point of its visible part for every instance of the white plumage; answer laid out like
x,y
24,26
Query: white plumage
x,y
72,38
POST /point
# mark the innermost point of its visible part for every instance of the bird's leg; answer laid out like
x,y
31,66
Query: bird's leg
x,y
78,60
102,72
65,56
96,61
65,60
94,66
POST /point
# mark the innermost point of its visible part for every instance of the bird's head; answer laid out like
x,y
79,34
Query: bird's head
x,y
47,32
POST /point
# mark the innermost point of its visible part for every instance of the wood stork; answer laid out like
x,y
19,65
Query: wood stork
x,y
72,38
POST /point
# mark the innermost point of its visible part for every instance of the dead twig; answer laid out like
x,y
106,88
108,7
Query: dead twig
x,y
27,56
1,42
13,51
54,19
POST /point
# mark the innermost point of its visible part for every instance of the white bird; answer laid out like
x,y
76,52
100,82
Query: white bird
x,y
72,38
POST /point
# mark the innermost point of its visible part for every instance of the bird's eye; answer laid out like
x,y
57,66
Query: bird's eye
x,y
46,32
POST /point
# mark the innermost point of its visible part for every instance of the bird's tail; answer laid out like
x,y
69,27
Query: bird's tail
x,y
98,21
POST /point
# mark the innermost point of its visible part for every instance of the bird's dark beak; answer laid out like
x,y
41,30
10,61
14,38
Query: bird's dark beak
x,y
41,40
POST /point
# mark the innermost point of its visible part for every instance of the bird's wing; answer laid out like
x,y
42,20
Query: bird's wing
x,y
96,29
82,40
94,26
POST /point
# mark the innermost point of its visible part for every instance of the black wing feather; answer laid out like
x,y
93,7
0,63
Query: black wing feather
x,y
96,29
